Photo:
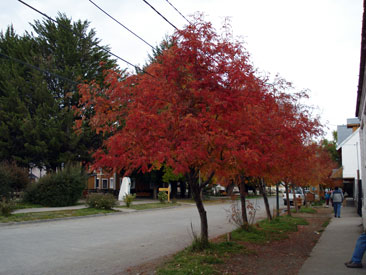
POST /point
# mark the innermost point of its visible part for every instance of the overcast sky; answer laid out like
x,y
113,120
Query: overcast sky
x,y
315,44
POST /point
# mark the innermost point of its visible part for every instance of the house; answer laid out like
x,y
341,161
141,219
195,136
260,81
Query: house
x,y
103,181
361,114
35,173
349,148
110,182
143,185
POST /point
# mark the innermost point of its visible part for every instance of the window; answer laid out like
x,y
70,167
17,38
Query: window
x,y
105,183
111,183
96,183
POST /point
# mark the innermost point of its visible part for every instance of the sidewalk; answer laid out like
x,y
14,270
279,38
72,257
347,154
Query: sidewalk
x,y
335,246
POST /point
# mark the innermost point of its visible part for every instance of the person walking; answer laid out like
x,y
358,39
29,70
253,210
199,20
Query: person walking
x,y
327,197
337,199
358,252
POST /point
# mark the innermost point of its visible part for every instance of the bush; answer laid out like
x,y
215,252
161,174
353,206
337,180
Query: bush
x,y
12,179
128,199
63,188
101,201
6,207
162,196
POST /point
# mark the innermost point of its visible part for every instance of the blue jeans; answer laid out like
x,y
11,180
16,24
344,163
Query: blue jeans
x,y
359,249
337,209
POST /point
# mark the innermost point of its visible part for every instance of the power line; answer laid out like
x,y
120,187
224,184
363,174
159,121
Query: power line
x,y
100,47
178,11
147,3
110,16
39,69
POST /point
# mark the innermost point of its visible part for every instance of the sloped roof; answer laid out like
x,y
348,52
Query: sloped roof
x,y
343,132
348,138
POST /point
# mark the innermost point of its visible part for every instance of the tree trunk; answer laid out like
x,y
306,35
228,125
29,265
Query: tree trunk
x,y
230,189
183,189
262,189
288,200
243,205
174,189
196,193
196,190
294,199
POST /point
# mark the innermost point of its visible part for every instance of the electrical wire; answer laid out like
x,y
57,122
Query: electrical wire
x,y
110,16
178,11
39,69
100,47
147,3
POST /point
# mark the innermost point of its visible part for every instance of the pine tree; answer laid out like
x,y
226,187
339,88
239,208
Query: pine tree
x,y
36,114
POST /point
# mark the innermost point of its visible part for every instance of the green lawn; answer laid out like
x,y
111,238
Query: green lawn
x,y
34,216
23,205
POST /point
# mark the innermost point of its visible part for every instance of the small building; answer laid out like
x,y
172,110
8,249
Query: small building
x,y
350,152
103,181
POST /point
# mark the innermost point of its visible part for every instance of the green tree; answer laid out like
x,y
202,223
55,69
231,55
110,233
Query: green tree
x,y
24,102
36,114
331,147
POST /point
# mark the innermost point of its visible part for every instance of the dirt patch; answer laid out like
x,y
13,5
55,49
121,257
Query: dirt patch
x,y
278,257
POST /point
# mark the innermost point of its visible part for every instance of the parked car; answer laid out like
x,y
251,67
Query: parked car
x,y
299,194
219,190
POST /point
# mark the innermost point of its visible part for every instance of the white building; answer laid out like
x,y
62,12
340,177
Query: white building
x,y
351,164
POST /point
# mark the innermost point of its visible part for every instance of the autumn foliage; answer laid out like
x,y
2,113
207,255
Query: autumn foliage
x,y
199,108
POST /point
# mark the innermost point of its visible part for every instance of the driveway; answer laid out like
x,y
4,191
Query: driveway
x,y
107,244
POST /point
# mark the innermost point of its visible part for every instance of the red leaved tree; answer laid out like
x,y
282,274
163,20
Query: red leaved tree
x,y
277,131
183,113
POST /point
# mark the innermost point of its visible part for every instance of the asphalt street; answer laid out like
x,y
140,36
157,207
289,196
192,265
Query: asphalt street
x,y
106,244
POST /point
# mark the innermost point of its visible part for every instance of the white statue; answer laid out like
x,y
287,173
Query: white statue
x,y
125,188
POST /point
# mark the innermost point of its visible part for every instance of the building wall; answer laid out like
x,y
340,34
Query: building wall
x,y
362,132
361,115
363,166
106,180
351,156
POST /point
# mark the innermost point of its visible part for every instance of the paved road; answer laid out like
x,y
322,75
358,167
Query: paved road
x,y
104,245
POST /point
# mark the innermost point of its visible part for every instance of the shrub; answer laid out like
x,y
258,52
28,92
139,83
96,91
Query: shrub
x,y
162,196
128,199
101,201
12,179
6,207
63,188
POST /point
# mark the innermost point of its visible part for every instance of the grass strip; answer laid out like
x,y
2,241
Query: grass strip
x,y
307,210
34,216
190,261
267,231
318,203
23,205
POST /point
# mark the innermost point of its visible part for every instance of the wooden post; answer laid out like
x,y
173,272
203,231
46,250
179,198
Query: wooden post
x,y
166,190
